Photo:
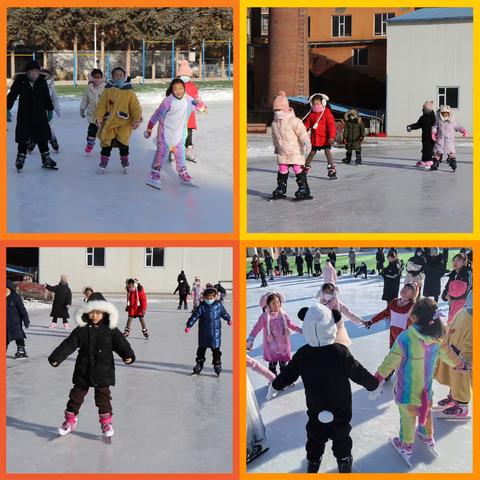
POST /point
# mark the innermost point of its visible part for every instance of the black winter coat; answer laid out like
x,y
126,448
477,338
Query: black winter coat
x,y
380,259
94,366
183,288
425,122
17,316
309,258
34,102
391,274
434,271
326,373
63,297
269,262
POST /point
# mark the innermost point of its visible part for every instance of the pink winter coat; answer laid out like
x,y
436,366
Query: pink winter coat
x,y
445,132
276,335
329,274
289,136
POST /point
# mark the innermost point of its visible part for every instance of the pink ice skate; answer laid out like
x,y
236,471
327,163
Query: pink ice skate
x,y
69,424
88,149
153,180
105,420
184,177
53,325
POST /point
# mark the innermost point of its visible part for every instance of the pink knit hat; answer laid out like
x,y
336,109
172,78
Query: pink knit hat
x,y
184,69
281,102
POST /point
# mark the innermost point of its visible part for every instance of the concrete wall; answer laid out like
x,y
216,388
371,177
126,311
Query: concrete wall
x,y
211,264
421,58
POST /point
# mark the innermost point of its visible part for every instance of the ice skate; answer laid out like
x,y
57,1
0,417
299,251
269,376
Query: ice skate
x,y
345,464
53,325
217,367
103,163
153,179
55,145
145,332
435,164
255,452
198,367
69,424
456,412
331,171
281,190
348,158
66,326
105,420
313,467
90,145
303,192
47,162
21,352
358,159
125,163
184,177
429,442
190,154
20,161
452,162
444,403
403,449
126,332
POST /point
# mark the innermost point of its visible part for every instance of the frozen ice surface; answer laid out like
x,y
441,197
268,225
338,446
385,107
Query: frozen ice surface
x,y
165,420
373,422
77,199
388,193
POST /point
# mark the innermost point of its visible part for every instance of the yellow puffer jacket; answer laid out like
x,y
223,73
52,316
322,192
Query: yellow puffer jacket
x,y
118,108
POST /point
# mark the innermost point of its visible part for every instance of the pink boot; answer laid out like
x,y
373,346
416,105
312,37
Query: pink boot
x,y
69,424
106,424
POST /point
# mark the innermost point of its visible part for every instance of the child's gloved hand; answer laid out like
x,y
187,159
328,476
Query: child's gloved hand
x,y
271,393
374,394
464,132
409,128
82,113
367,324
434,137
9,116
187,329
128,360
249,343
49,115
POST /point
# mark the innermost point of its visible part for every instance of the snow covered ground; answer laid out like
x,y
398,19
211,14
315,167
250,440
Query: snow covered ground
x,y
386,194
77,199
373,421
165,420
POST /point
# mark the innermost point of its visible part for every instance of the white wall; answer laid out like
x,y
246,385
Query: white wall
x,y
211,264
420,58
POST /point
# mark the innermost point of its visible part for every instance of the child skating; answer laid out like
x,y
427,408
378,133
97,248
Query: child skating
x,y
443,134
275,325
96,338
425,122
172,117
291,143
321,124
197,291
353,135
185,74
17,319
88,105
209,315
35,110
118,113
136,306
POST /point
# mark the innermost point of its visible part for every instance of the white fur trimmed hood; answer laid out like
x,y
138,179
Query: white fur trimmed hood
x,y
101,305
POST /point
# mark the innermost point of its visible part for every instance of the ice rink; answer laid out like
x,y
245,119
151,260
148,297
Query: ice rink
x,y
388,193
77,199
165,420
373,421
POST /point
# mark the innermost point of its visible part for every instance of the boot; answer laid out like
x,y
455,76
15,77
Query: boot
x,y
20,161
198,366
345,464
126,332
125,163
358,158
21,352
331,171
47,162
348,157
435,164
69,424
217,366
55,145
145,332
453,163
303,188
281,190
154,179
313,467
105,420
103,163
184,177
90,145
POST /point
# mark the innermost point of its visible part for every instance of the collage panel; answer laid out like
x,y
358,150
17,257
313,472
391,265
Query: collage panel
x,y
355,112
144,336
128,111
359,359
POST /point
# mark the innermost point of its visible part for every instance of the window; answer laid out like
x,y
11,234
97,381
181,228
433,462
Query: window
x,y
95,257
448,96
154,257
342,26
359,57
380,27
264,25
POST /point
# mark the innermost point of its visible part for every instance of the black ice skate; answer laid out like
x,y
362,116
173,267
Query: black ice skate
x,y
345,464
255,452
21,353
331,171
303,192
198,367
20,161
145,332
55,145
435,164
217,367
47,162
281,190
348,158
453,163
358,159
313,467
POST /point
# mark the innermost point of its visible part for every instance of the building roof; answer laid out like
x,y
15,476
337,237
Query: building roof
x,y
434,15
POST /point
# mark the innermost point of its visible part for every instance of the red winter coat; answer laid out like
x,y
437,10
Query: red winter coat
x,y
136,303
325,130
192,90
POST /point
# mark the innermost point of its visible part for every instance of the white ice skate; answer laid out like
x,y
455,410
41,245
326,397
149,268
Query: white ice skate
x,y
190,154
69,424
155,183
429,442
402,450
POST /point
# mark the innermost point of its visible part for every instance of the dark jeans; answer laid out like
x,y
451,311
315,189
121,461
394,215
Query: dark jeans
x,y
216,355
102,399
319,433
352,268
309,269
92,130
106,151
318,269
19,341
272,366
182,300
54,320
42,146
188,140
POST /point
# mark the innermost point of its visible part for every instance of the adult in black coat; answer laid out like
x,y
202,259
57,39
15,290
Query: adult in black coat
x,y
284,263
17,318
391,274
326,369
309,261
434,271
332,256
61,302
269,264
380,260
425,122
299,264
183,289
96,338
35,108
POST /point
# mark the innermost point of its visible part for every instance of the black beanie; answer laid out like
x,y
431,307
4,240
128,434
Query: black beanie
x,y
33,65
96,296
